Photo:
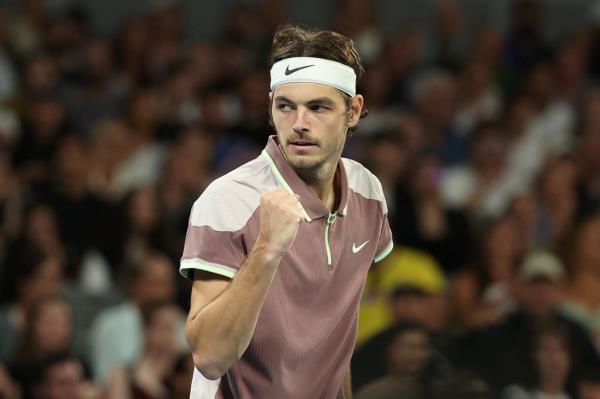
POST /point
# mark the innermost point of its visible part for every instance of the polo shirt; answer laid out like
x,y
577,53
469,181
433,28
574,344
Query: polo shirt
x,y
306,330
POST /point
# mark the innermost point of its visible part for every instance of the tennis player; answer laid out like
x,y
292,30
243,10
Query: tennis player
x,y
280,247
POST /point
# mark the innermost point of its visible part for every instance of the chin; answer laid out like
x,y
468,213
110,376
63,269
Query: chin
x,y
304,164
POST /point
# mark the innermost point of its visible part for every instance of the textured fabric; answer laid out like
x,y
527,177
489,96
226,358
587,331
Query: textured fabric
x,y
306,330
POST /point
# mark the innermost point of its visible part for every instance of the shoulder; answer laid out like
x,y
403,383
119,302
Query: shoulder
x,y
229,201
363,182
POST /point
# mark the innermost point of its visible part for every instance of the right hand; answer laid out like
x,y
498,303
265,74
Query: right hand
x,y
280,218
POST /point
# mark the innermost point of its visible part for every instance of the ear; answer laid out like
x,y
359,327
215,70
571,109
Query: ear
x,y
357,105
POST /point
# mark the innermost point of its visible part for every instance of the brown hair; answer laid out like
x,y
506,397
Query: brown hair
x,y
297,41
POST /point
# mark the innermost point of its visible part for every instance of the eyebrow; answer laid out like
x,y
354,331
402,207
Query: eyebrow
x,y
319,100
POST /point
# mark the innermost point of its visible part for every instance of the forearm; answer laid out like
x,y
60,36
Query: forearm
x,y
220,331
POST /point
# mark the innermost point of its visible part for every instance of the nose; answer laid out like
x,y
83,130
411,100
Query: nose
x,y
301,122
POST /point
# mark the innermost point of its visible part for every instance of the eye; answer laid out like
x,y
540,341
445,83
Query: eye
x,y
318,108
284,107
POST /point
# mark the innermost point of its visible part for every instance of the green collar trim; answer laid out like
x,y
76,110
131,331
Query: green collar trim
x,y
281,180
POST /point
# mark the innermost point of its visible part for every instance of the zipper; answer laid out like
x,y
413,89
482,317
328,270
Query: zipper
x,y
330,220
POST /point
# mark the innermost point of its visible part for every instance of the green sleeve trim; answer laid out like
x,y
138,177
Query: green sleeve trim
x,y
385,252
188,265
281,180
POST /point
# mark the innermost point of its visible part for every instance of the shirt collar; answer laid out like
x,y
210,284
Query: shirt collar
x,y
314,208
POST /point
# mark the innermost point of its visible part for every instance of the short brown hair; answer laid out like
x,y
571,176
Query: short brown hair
x,y
298,41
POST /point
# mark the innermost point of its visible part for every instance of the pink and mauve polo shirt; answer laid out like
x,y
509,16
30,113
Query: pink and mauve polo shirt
x,y
306,330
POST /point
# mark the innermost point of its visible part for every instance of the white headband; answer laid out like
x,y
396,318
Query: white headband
x,y
314,70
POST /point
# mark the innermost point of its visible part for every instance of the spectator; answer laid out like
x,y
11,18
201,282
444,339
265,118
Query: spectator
x,y
63,376
553,363
589,384
35,277
415,292
482,187
148,377
582,301
435,99
180,379
423,222
149,279
48,330
501,353
410,374
484,292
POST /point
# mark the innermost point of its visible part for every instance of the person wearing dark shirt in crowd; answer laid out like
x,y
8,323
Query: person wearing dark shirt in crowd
x,y
553,363
48,330
588,384
29,276
423,222
63,376
410,369
501,353
410,305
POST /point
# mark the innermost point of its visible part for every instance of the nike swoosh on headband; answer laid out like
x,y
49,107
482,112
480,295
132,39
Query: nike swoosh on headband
x,y
289,71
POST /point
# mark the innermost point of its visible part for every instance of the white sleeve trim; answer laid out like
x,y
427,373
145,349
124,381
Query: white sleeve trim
x,y
187,265
385,252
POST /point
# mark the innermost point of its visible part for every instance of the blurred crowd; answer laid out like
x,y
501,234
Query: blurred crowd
x,y
487,144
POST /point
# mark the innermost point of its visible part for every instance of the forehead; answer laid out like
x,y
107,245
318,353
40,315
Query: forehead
x,y
305,92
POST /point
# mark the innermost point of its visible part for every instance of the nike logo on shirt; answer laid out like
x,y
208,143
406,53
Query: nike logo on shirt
x,y
355,249
289,71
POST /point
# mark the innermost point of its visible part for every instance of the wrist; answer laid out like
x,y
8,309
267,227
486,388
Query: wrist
x,y
268,253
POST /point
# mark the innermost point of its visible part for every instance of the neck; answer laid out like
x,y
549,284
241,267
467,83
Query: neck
x,y
552,387
322,187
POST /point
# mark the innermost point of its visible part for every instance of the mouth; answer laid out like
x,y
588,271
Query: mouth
x,y
302,143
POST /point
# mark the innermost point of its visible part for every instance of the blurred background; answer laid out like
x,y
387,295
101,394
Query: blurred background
x,y
484,129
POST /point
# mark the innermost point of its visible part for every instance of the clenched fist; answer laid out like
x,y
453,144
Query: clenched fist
x,y
280,217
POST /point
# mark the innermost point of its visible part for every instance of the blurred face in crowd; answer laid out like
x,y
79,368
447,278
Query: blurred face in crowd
x,y
552,358
110,143
162,331
409,353
539,297
403,52
541,84
46,281
448,17
501,248
588,242
156,282
589,390
560,177
436,97
427,177
47,117
520,113
98,60
143,210
489,151
72,161
42,230
52,326
376,86
41,73
425,309
63,381
312,121
388,158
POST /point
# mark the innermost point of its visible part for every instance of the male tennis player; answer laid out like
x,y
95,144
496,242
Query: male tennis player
x,y
280,247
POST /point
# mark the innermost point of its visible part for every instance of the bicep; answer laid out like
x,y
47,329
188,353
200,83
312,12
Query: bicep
x,y
205,289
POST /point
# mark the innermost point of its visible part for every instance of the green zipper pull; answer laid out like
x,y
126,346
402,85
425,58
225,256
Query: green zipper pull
x,y
330,220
